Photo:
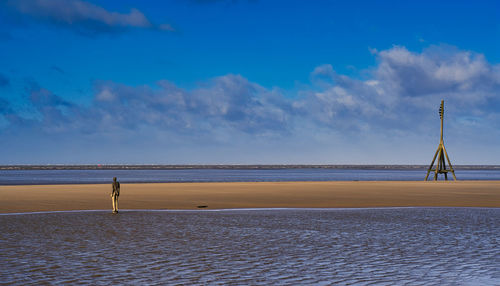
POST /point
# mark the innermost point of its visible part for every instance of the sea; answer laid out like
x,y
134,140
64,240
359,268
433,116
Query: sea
x,y
85,176
384,246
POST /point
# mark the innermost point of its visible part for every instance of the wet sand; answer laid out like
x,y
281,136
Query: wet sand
x,y
252,195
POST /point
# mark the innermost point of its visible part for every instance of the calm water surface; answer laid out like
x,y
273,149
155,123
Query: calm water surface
x,y
11,177
414,246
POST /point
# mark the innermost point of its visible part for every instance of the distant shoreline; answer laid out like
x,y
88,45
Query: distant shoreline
x,y
236,167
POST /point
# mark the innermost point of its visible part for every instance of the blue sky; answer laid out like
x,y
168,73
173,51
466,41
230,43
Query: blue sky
x,y
248,82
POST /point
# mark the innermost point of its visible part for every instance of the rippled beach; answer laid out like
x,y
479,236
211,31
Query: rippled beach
x,y
417,246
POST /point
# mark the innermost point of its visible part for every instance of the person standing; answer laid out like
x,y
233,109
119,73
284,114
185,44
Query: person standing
x,y
115,194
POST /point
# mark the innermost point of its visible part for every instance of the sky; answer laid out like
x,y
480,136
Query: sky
x,y
248,82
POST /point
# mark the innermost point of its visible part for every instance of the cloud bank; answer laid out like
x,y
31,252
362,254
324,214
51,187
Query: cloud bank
x,y
403,86
393,107
82,16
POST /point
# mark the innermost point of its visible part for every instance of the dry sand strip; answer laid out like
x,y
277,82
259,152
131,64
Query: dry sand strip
x,y
252,195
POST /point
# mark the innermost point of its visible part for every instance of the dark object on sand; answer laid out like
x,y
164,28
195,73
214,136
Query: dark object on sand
x,y
202,207
115,193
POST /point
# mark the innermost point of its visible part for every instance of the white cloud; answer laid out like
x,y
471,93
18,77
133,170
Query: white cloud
x,y
84,16
105,95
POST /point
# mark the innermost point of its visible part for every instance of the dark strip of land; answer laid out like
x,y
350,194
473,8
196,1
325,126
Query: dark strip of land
x,y
236,167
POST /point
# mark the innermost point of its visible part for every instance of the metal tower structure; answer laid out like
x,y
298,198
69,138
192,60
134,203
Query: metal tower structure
x,y
440,154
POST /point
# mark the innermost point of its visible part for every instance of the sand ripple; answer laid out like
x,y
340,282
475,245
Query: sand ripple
x,y
414,246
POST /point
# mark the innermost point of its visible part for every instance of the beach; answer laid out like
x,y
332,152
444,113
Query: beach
x,y
339,194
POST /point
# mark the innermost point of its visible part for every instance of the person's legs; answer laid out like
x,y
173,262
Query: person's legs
x,y
113,199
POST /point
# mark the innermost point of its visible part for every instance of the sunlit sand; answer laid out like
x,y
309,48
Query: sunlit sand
x,y
252,195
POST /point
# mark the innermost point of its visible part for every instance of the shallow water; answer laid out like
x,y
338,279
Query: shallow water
x,y
416,246
32,177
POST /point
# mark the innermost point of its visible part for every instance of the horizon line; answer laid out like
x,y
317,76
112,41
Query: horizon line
x,y
228,166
